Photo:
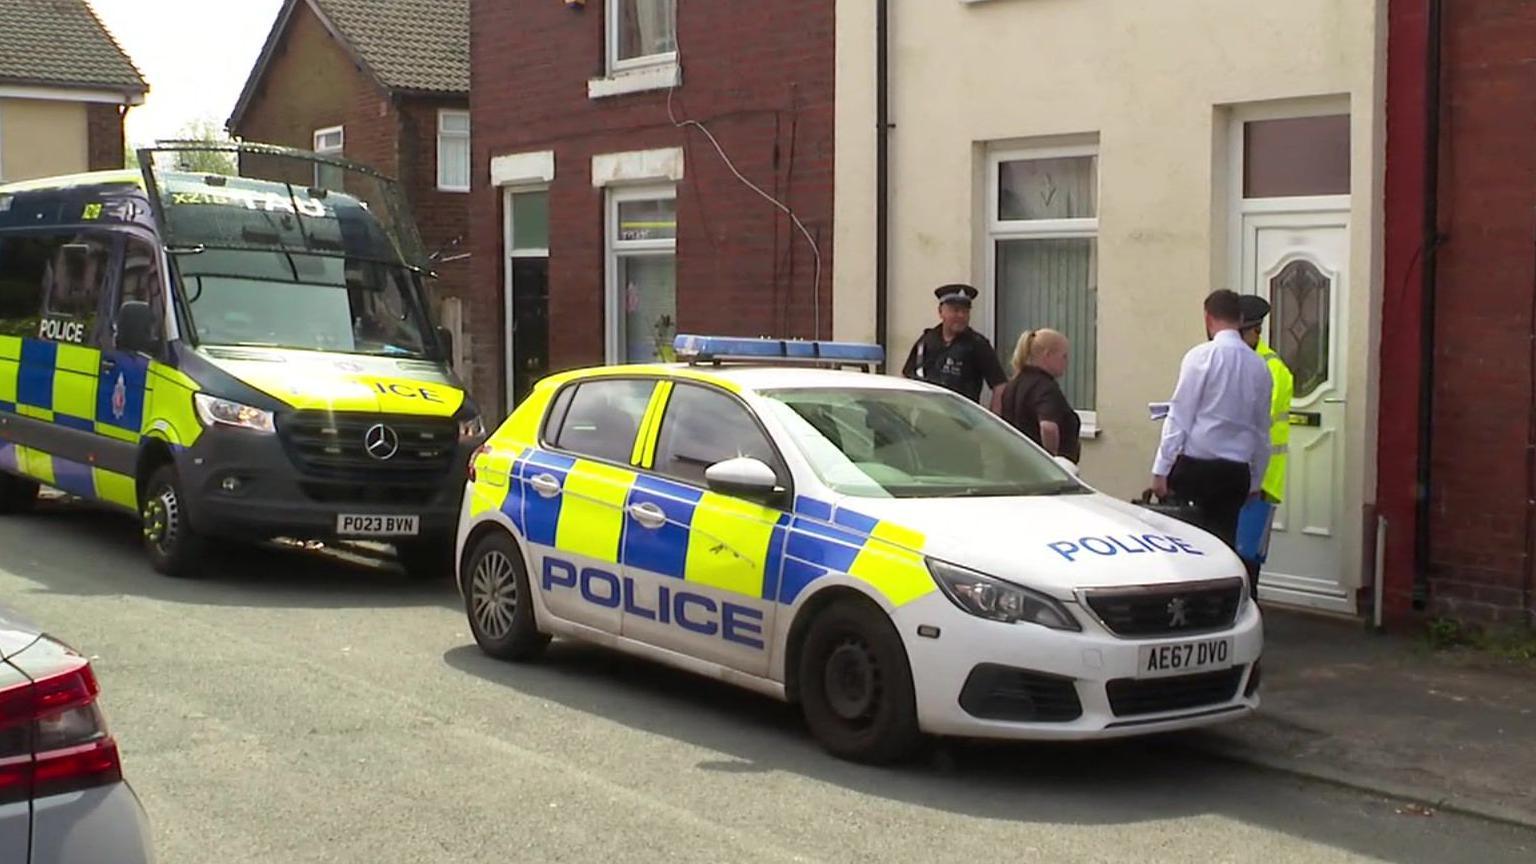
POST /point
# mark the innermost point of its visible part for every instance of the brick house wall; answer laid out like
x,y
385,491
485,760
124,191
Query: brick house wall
x,y
104,136
1479,565
760,76
313,83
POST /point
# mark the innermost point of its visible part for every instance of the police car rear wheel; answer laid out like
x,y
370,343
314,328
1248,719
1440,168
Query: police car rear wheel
x,y
17,495
173,547
856,685
497,600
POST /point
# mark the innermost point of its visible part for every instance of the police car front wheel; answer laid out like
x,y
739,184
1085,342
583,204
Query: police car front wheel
x,y
499,602
856,685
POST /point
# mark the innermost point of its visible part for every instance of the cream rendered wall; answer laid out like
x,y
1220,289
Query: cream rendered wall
x,y
41,138
1153,83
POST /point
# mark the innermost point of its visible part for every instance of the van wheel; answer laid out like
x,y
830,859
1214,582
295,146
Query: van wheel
x,y
427,560
173,547
17,495
856,685
499,602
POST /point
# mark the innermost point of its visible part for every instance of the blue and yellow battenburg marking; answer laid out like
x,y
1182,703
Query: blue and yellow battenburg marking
x,y
731,545
75,387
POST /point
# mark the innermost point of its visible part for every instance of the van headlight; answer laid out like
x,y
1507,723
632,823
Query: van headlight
x,y
214,411
474,427
997,600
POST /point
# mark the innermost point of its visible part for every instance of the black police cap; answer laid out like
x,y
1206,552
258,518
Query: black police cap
x,y
955,293
1254,309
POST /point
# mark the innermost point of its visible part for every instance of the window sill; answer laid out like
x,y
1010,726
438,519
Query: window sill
x,y
454,189
659,77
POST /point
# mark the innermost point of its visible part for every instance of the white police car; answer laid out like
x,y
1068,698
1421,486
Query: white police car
x,y
887,554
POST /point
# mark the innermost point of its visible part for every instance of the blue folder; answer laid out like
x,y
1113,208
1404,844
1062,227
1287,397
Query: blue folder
x,y
1252,527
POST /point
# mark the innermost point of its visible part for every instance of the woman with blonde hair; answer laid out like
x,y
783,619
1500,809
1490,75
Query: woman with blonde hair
x,y
1033,402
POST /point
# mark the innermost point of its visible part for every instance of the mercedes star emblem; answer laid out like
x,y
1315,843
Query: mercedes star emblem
x,y
381,442
1178,612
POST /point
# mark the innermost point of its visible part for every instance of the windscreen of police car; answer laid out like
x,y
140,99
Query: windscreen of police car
x,y
286,261
888,443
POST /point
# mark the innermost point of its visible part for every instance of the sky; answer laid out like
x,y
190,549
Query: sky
x,y
196,55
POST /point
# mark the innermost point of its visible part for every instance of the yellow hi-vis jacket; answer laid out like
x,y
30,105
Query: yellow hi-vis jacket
x,y
1280,420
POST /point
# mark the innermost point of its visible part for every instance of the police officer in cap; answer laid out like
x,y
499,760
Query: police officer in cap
x,y
952,355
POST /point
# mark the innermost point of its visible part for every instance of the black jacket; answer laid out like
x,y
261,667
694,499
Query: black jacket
x,y
962,366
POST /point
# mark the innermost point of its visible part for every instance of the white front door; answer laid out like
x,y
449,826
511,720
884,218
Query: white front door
x,y
1298,261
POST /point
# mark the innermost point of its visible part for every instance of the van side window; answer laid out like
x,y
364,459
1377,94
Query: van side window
x,y
22,263
141,279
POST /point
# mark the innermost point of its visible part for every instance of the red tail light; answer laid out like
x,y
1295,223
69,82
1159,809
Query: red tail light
x,y
53,737
482,450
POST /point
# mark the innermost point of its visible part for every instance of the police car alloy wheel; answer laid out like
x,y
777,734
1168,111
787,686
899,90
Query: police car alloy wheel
x,y
16,495
856,685
498,600
173,547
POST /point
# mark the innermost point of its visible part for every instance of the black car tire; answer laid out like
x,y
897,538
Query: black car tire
x,y
17,495
856,689
499,601
174,548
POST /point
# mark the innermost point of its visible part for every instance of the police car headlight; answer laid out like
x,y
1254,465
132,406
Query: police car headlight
x,y
214,411
474,427
986,597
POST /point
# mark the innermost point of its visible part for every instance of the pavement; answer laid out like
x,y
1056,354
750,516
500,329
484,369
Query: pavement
x,y
1385,714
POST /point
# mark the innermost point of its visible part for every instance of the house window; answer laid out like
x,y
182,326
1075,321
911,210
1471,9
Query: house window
x,y
642,274
641,33
453,151
1043,231
329,142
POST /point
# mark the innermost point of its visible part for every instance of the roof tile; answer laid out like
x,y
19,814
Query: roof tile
x,y
62,43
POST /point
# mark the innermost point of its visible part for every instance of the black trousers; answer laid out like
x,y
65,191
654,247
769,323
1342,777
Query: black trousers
x,y
1217,487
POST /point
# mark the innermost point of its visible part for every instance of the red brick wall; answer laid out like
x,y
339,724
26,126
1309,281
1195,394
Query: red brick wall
x,y
442,216
1487,270
104,136
759,75
1397,452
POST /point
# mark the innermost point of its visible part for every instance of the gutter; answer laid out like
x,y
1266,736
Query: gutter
x,y
882,168
1427,305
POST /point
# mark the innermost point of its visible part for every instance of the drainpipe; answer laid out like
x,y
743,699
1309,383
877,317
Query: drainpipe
x,y
1427,305
882,167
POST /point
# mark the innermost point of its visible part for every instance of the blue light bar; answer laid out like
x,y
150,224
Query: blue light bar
x,y
723,348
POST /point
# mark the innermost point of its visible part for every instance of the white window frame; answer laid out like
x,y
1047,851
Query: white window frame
x,y
445,136
341,145
616,65
509,252
1033,229
636,74
615,249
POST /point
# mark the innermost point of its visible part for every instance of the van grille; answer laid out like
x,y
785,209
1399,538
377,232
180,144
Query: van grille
x,y
331,449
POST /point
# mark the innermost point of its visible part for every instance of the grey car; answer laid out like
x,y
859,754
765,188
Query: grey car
x,y
63,799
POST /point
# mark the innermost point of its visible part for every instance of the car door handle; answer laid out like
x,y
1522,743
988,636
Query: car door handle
x,y
648,515
545,485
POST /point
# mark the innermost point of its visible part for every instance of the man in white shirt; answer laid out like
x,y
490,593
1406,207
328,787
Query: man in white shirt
x,y
1215,446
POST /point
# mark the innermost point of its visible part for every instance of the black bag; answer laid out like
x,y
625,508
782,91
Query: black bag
x,y
1181,509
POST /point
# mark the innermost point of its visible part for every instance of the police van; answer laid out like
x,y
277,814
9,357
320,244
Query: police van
x,y
885,553
242,357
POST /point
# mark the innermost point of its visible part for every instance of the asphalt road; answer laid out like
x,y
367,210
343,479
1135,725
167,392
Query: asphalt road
x,y
296,708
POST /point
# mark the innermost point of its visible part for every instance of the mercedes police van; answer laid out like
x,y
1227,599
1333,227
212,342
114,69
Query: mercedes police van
x,y
243,357
889,555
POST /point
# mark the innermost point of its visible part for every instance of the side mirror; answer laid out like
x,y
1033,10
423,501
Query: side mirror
x,y
743,477
445,339
1069,466
136,328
